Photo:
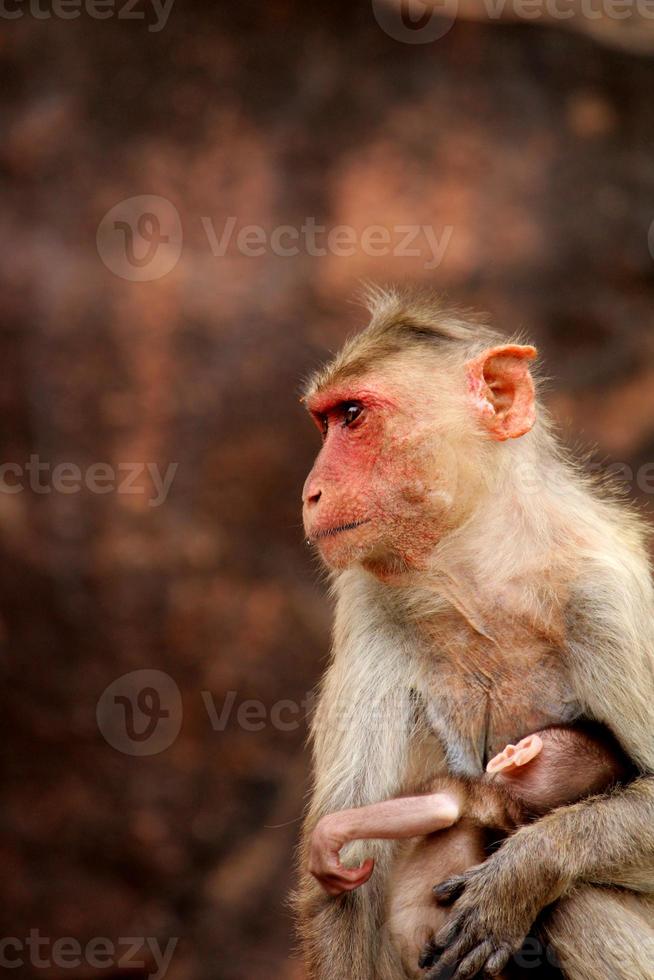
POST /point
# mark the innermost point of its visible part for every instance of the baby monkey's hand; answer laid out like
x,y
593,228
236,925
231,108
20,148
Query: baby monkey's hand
x,y
329,836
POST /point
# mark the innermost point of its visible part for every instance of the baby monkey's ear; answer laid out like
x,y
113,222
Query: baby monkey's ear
x,y
514,756
502,390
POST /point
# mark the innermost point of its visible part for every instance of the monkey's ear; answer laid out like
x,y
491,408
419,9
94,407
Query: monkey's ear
x,y
502,390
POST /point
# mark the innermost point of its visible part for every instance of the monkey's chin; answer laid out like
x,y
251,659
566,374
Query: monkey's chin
x,y
341,548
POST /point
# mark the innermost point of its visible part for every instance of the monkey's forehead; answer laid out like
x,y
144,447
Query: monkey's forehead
x,y
372,372
343,371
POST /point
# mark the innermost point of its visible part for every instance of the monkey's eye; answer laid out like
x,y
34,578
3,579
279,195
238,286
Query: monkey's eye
x,y
323,422
350,412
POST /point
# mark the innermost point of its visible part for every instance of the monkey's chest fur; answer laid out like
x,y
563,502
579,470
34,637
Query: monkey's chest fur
x,y
476,695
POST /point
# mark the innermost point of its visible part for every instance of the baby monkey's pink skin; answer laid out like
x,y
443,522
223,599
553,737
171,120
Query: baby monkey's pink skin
x,y
411,816
514,756
571,763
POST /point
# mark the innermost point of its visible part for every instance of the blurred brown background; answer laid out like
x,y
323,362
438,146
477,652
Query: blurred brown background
x,y
532,142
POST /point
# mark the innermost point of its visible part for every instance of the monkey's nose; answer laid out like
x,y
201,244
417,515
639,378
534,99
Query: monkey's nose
x,y
311,491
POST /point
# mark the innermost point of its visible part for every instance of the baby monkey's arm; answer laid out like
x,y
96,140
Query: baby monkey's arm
x,y
415,816
411,816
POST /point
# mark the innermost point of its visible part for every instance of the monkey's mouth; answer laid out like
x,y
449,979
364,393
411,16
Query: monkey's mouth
x,y
331,531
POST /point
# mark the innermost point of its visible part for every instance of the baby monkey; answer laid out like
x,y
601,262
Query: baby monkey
x,y
450,827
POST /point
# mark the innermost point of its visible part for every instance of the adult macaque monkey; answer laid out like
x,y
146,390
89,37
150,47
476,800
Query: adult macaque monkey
x,y
485,591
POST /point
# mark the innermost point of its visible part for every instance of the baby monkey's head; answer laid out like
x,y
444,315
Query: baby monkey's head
x,y
559,765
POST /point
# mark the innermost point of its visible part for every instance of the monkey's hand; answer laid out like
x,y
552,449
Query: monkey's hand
x,y
496,904
327,839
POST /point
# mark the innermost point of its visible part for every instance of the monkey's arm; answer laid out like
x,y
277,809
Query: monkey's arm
x,y
413,816
610,839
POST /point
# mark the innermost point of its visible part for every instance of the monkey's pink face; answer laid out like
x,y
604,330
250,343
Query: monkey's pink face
x,y
374,494
400,460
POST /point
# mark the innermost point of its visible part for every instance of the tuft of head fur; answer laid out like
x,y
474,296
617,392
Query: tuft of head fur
x,y
399,321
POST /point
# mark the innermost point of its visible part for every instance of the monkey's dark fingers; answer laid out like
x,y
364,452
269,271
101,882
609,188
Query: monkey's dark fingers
x,y
436,946
430,951
426,957
472,964
446,937
448,891
498,960
443,971
449,960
